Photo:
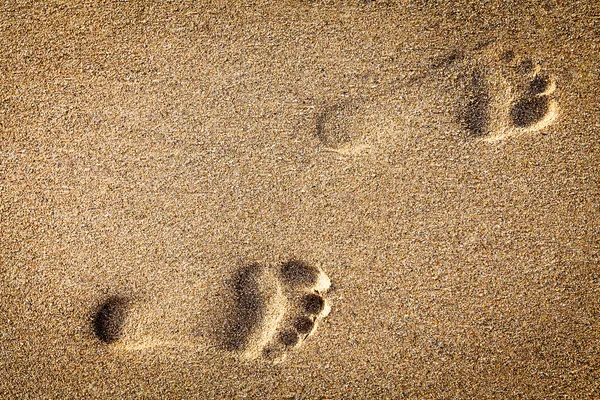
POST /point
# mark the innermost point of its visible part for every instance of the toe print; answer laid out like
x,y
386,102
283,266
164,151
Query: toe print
x,y
289,338
304,325
313,303
305,285
542,84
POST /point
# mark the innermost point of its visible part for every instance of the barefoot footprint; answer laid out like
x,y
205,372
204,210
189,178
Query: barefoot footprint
x,y
273,311
497,105
497,97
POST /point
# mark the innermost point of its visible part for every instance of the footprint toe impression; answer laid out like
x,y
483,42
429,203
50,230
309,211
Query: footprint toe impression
x,y
289,338
304,325
313,303
309,283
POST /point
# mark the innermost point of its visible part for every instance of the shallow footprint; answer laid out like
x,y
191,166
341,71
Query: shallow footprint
x,y
332,126
350,127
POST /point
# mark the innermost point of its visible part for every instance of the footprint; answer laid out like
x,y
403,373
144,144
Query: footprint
x,y
332,126
277,310
499,96
503,98
270,310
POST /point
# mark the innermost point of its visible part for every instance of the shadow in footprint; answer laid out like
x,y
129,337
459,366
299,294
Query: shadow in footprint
x,y
313,303
273,310
299,273
248,307
109,319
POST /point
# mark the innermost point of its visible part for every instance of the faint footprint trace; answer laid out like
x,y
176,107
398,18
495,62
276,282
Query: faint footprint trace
x,y
504,98
346,128
277,309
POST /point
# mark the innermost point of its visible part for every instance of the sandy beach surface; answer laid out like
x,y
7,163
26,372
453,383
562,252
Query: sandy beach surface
x,y
300,199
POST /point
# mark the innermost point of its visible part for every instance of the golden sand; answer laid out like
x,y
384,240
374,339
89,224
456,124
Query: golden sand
x,y
299,200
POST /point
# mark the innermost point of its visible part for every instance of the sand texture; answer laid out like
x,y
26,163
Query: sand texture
x,y
300,199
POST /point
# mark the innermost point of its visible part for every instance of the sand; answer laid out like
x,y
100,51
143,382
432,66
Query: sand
x,y
300,200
